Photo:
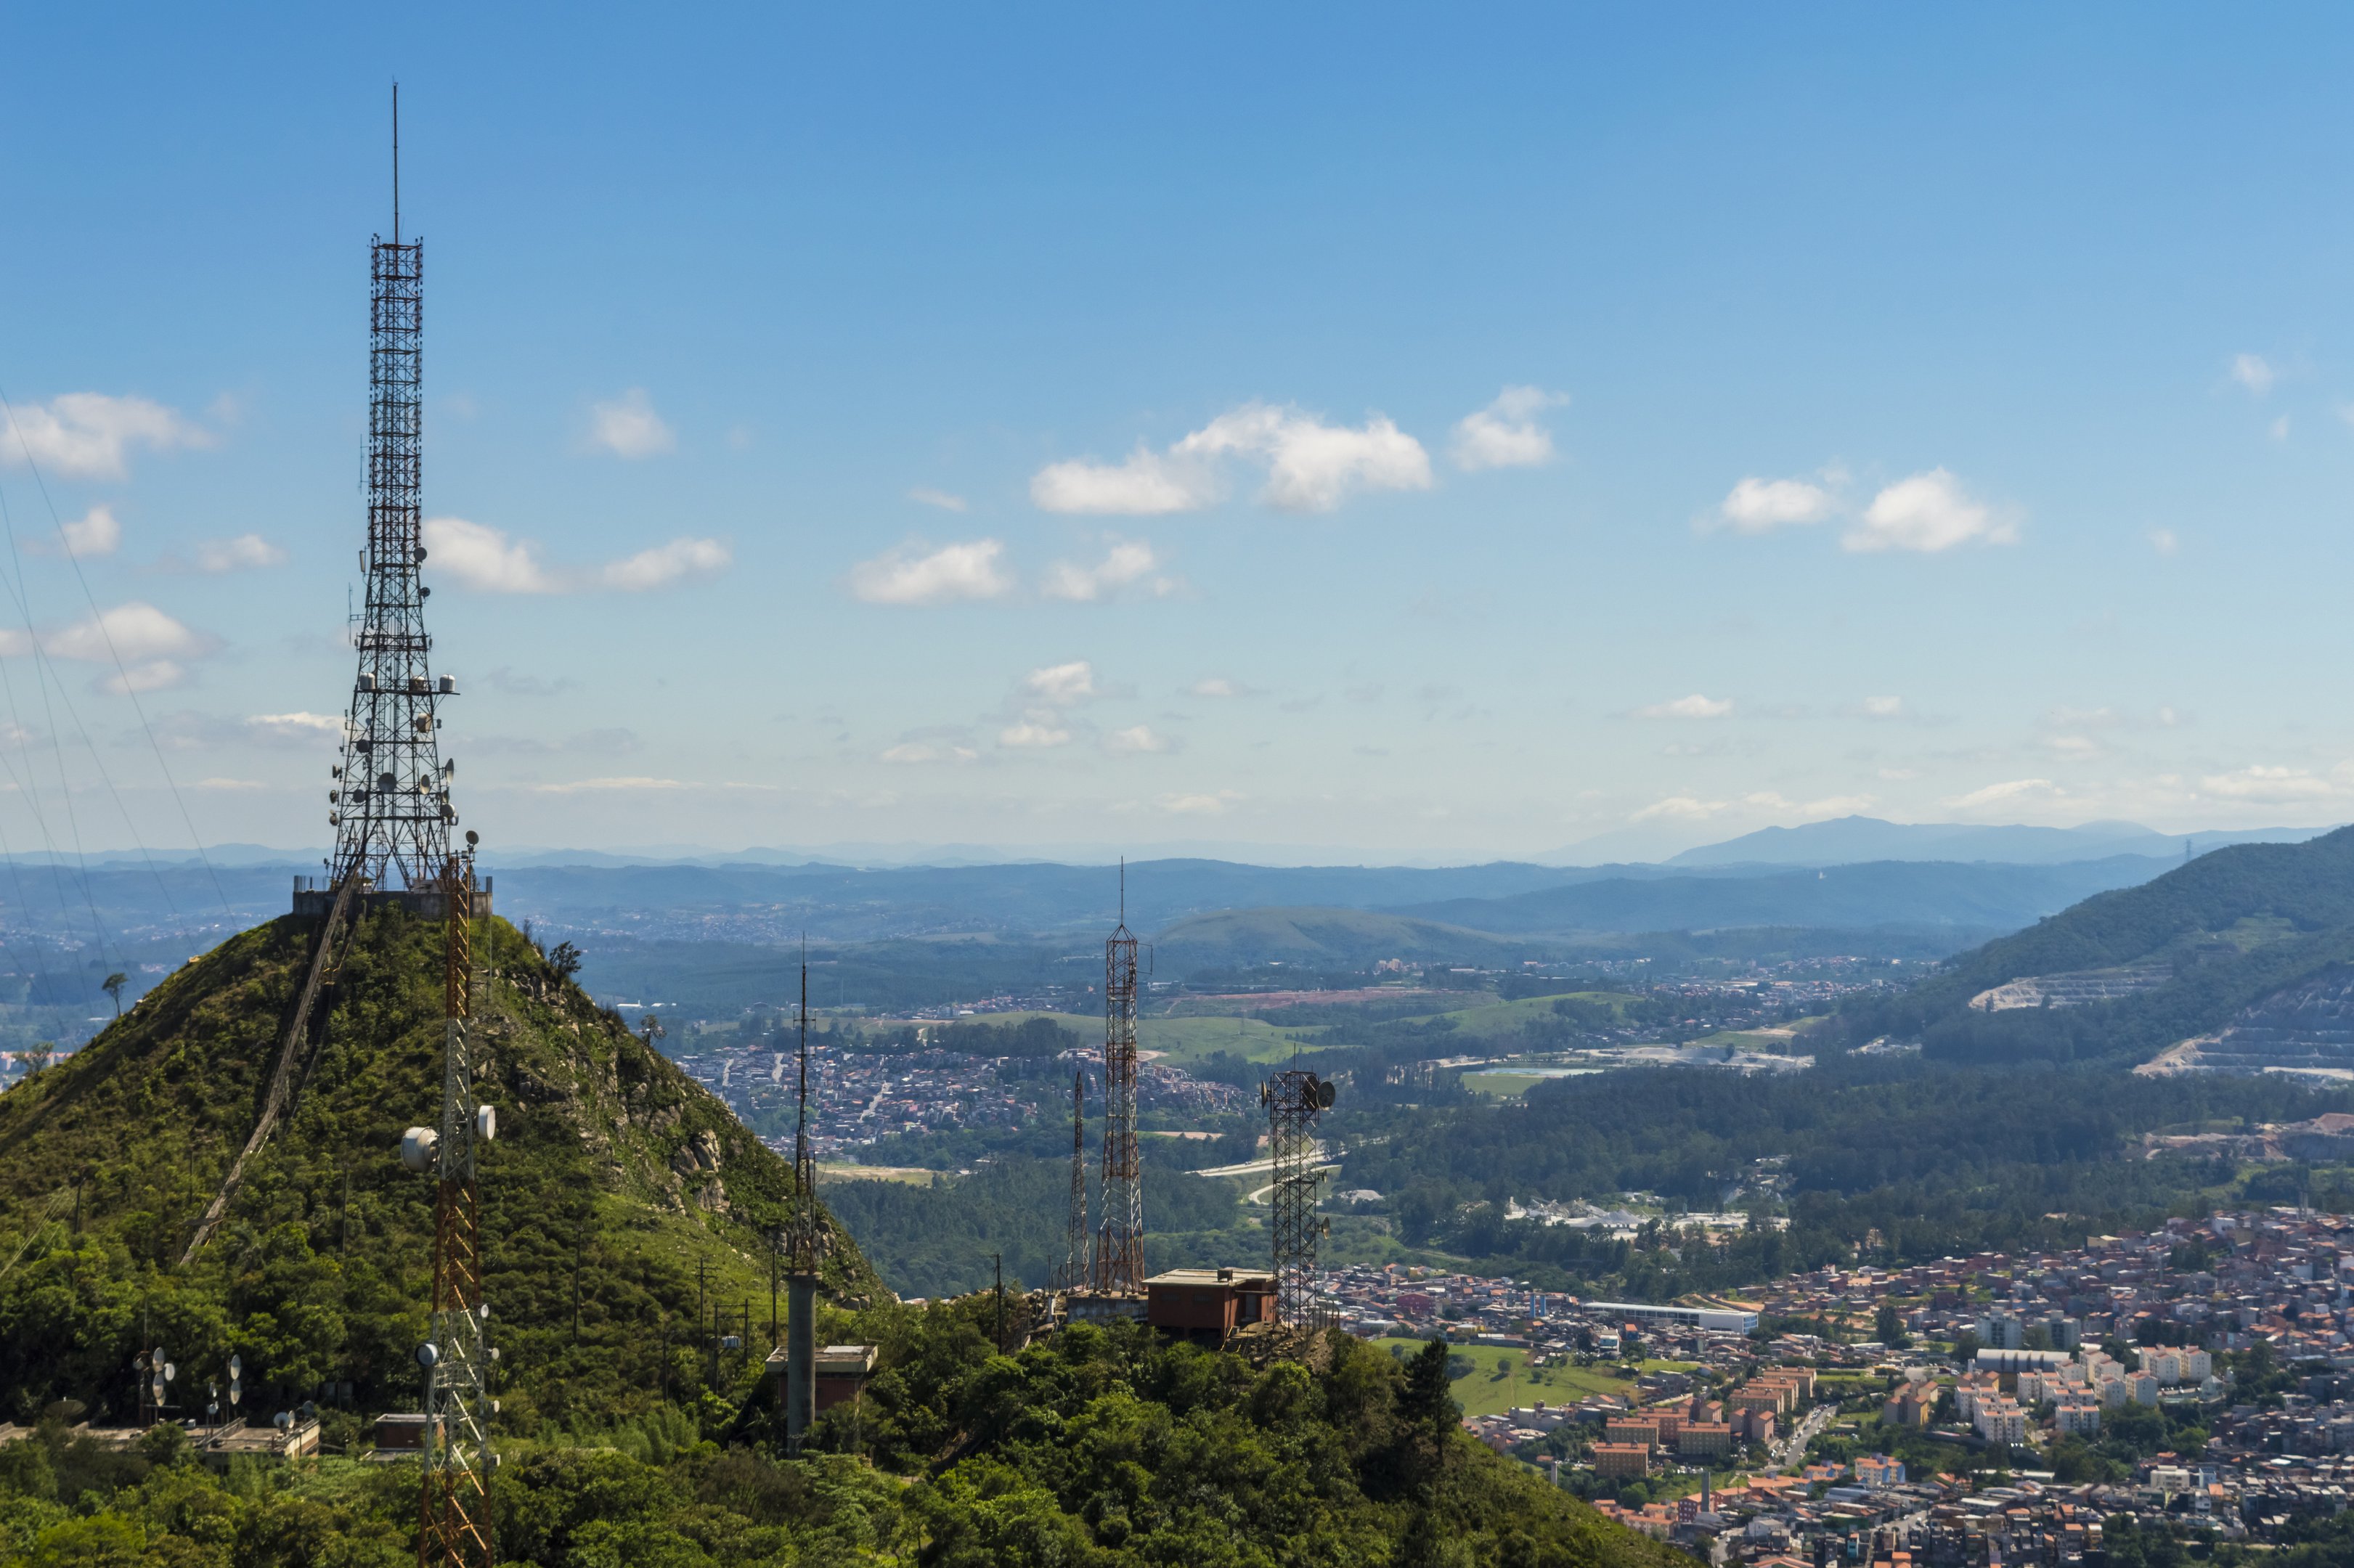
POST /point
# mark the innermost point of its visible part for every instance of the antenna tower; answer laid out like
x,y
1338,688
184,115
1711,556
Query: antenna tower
x,y
456,1509
805,1253
1074,1260
1296,1100
1119,1244
390,802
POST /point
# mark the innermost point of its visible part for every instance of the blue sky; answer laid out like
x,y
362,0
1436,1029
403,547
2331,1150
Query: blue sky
x,y
1359,431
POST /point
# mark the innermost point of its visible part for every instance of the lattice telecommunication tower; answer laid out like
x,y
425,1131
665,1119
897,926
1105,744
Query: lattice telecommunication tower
x,y
805,1248
1296,1100
390,798
1119,1242
1072,1273
456,1527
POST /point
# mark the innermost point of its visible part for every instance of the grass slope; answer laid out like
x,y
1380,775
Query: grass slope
x,y
614,1177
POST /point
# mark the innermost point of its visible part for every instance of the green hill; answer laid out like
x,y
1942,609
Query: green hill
x,y
1317,938
614,1180
2133,971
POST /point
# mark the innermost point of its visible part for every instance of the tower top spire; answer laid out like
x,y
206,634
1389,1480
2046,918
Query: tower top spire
x,y
396,162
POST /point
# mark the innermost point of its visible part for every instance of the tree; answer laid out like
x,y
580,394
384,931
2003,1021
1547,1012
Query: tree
x,y
1888,1327
565,961
112,986
1427,1400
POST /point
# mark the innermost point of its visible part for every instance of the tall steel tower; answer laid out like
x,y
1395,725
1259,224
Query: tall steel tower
x,y
1296,1100
455,1527
1073,1274
390,798
805,1258
1119,1244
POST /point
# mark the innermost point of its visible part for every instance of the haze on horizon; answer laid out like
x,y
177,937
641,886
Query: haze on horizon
x,y
1066,430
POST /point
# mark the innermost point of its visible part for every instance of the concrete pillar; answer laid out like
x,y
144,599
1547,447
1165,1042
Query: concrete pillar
x,y
800,1358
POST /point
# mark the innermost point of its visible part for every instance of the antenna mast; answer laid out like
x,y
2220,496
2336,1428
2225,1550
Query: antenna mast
x,y
457,1531
1296,1101
806,1252
389,802
1119,1246
1074,1261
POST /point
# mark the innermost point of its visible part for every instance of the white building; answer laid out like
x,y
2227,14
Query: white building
x,y
2077,1417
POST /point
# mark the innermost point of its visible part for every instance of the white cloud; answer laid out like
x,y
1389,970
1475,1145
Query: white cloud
x,y
601,786
664,565
2076,747
1038,730
1201,805
1762,505
1505,434
1138,738
1310,466
297,727
1883,707
233,555
86,435
910,574
1128,561
487,560
1064,685
1218,686
2254,372
913,752
940,498
2275,785
628,426
94,533
1679,808
2003,794
148,675
132,632
2162,540
1695,707
1929,512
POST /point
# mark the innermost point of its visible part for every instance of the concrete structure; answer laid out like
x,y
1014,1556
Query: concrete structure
x,y
1622,1461
1737,1322
841,1374
1206,1305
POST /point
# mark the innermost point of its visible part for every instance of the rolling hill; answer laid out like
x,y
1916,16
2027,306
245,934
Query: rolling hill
x,y
2133,971
621,1199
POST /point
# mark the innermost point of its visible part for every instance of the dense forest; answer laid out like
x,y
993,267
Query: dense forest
x,y
1098,1447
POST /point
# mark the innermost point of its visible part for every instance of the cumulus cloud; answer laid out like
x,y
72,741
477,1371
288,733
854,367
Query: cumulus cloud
x,y
1218,686
1762,505
628,426
1505,434
146,649
1064,685
2272,784
1694,707
912,574
1679,808
1129,561
940,498
94,533
1310,466
246,551
2008,793
296,727
1199,805
1138,738
1929,512
664,565
1883,707
487,560
913,753
630,784
89,435
2254,372
1039,730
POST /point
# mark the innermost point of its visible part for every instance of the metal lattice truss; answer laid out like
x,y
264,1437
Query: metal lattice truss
x,y
390,799
1296,1100
1119,1243
456,1527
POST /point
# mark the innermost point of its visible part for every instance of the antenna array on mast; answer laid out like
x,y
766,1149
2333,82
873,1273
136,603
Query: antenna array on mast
x,y
1119,1242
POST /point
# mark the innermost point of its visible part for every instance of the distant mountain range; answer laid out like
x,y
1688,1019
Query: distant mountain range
x,y
1846,841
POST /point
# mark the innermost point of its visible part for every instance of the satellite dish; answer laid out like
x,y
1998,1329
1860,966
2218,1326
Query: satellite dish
x,y
427,1357
472,837
1324,1096
237,1366
170,1371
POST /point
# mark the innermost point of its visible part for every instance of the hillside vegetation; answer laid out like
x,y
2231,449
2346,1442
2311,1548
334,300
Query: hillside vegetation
x,y
2228,929
613,1180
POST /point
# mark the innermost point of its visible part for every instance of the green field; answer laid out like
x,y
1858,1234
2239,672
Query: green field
x,y
1502,1020
1185,1040
1483,1393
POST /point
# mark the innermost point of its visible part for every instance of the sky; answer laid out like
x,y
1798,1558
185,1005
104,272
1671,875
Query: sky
x,y
1315,433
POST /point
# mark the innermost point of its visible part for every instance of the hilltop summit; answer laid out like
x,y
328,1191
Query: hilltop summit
x,y
626,1209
